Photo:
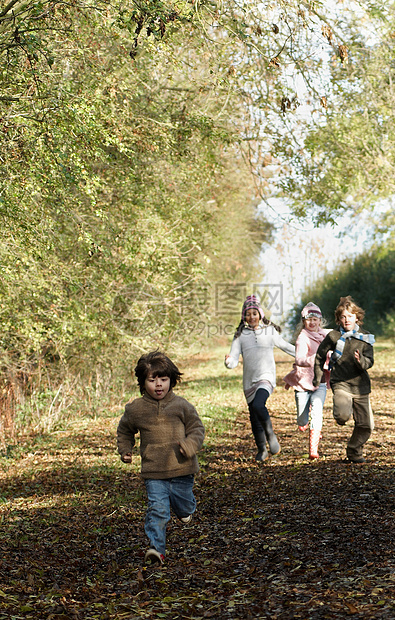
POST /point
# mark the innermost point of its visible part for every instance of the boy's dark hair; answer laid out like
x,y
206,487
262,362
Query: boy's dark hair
x,y
347,303
157,364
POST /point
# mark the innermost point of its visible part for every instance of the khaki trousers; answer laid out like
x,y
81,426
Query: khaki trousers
x,y
346,405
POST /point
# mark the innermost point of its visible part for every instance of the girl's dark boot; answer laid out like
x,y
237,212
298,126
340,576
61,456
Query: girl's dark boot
x,y
272,440
260,440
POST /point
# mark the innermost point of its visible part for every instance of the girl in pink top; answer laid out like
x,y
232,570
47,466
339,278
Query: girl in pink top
x,y
309,399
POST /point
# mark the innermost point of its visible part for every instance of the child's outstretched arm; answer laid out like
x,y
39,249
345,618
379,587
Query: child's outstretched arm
x,y
232,359
282,344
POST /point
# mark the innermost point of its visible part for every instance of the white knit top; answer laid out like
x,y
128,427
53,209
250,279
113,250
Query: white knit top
x,y
256,347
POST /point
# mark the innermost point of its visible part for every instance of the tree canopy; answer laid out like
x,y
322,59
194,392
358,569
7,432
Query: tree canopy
x,y
137,141
346,160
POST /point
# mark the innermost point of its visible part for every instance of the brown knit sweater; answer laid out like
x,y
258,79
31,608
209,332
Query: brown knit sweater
x,y
164,426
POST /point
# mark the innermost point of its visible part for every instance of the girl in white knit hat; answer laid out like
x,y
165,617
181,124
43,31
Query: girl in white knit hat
x,y
309,399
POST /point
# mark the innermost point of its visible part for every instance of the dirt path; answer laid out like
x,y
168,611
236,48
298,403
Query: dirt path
x,y
283,540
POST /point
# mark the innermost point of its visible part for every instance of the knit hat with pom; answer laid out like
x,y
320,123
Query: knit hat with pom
x,y
251,302
311,311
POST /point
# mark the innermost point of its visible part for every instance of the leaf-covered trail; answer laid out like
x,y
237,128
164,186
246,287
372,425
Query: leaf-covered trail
x,y
286,539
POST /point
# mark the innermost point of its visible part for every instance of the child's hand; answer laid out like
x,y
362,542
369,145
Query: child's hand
x,y
357,356
126,458
182,450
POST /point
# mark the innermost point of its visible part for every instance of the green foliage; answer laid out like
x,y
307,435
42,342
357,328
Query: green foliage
x,y
346,155
369,279
136,144
122,191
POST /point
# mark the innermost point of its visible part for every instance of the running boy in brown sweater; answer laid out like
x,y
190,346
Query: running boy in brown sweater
x,y
351,358
171,433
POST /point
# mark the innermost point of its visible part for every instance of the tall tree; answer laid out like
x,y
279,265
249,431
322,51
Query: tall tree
x,y
341,158
137,141
120,189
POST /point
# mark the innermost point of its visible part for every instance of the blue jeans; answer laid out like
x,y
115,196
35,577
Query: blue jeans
x,y
309,407
175,493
